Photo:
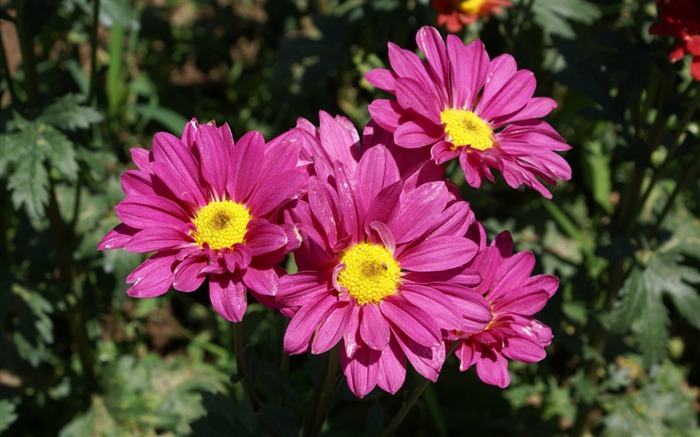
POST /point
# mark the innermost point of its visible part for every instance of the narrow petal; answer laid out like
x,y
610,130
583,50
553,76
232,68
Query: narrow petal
x,y
302,287
117,238
438,253
384,206
228,296
382,78
437,305
376,170
137,183
374,329
361,370
417,134
262,280
431,44
154,239
391,368
153,277
151,211
169,150
246,159
467,355
331,328
264,237
526,349
420,209
386,113
268,196
493,370
468,69
189,275
408,318
302,327
512,97
412,94
214,156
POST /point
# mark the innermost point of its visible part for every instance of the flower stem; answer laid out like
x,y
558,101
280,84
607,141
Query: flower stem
x,y
406,407
239,353
26,43
323,394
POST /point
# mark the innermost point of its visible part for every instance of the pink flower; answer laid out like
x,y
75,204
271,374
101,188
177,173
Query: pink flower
x,y
379,272
514,296
208,208
461,104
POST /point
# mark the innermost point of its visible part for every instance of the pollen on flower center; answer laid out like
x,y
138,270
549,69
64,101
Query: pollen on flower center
x,y
221,224
464,128
370,274
470,7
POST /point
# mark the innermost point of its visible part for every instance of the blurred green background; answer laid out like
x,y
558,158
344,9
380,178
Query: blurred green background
x,y
83,81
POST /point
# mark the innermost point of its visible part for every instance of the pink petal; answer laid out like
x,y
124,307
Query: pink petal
x,y
381,78
302,327
264,281
117,238
512,97
331,328
351,336
468,69
214,156
391,368
434,303
430,43
455,220
264,237
417,134
374,329
376,170
154,239
525,349
427,361
151,211
336,140
137,183
169,150
268,196
412,94
500,70
228,296
420,209
413,321
386,113
142,158
153,277
537,107
384,206
438,253
188,274
303,287
467,355
247,158
361,370
493,369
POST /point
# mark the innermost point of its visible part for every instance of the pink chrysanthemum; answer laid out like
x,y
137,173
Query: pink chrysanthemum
x,y
455,14
379,272
208,208
514,296
463,105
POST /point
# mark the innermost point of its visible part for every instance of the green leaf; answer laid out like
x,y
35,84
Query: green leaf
x,y
597,173
641,306
68,113
553,16
7,414
24,155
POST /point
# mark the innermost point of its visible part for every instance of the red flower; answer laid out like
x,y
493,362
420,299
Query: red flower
x,y
455,14
680,19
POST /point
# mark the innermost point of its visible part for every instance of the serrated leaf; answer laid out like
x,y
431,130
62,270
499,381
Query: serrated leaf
x,y
24,155
641,306
553,16
68,113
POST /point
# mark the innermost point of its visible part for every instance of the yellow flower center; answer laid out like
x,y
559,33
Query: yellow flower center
x,y
221,224
464,128
370,274
470,7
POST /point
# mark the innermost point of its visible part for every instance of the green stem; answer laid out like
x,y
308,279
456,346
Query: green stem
x,y
27,48
93,54
242,368
322,398
406,407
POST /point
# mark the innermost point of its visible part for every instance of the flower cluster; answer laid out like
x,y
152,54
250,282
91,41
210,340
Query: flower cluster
x,y
681,20
393,267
